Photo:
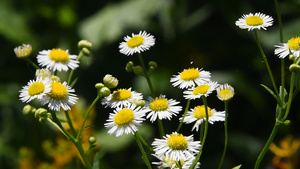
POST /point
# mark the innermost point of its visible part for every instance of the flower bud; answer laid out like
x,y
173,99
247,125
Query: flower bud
x,y
292,57
84,44
287,122
41,112
23,51
28,109
129,66
152,65
138,70
105,91
294,68
86,51
55,78
92,140
138,103
42,73
99,86
110,81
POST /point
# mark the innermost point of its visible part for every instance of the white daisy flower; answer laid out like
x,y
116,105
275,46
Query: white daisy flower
x,y
284,49
170,163
201,90
256,21
57,59
121,98
125,120
43,73
175,146
225,92
60,96
197,115
35,89
161,107
190,78
137,43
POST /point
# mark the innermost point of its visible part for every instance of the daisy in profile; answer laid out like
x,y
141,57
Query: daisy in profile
x,y
161,108
43,73
125,120
292,46
60,96
137,43
57,59
225,92
170,163
197,115
201,90
35,89
23,51
190,78
121,98
256,21
175,146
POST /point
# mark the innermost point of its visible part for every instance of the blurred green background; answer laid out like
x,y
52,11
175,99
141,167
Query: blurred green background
x,y
188,34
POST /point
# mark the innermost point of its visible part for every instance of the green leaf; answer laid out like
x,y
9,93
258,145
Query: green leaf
x,y
237,167
272,93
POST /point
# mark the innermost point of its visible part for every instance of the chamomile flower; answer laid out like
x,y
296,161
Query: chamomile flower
x,y
190,78
256,21
125,120
35,89
175,146
170,163
57,59
198,115
201,90
42,73
137,43
121,98
225,92
60,96
284,49
161,108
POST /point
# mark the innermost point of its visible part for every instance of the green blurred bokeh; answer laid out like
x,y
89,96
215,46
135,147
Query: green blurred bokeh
x,y
188,34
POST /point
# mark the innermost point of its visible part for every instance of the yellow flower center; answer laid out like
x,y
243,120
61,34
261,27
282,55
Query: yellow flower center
x,y
135,41
58,55
226,94
202,89
171,162
58,91
124,117
177,142
294,43
199,112
36,88
189,74
121,94
159,104
254,20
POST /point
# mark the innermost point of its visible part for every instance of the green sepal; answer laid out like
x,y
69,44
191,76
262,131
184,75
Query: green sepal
x,y
237,167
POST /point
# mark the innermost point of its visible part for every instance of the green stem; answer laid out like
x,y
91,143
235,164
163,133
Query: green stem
x,y
226,135
146,75
144,155
32,63
289,103
160,127
184,114
266,61
86,116
279,20
70,123
267,145
205,134
145,143
73,140
72,71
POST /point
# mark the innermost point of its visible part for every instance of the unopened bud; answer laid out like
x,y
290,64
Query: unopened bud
x,y
294,68
55,78
138,103
129,66
85,44
152,65
41,112
110,81
99,85
86,51
138,70
23,51
28,109
287,122
92,140
292,57
105,91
